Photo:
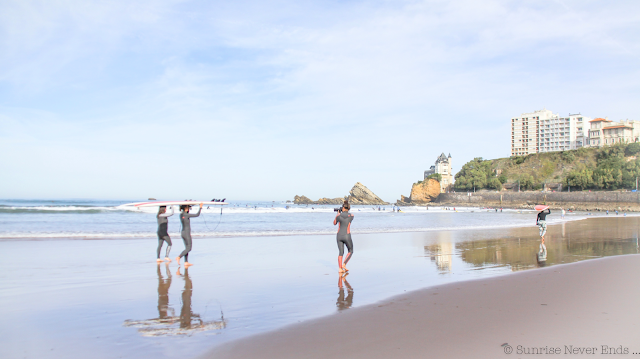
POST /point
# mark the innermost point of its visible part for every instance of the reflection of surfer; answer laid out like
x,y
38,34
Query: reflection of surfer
x,y
542,223
344,219
163,235
186,232
185,313
344,303
163,292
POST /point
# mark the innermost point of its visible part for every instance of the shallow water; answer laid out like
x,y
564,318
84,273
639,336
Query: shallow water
x,y
97,298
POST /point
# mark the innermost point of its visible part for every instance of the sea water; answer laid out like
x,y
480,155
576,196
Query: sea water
x,y
99,219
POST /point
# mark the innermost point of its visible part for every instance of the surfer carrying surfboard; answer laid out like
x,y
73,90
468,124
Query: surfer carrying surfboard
x,y
185,219
163,234
542,222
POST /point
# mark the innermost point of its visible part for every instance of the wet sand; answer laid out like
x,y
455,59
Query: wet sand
x,y
578,310
108,298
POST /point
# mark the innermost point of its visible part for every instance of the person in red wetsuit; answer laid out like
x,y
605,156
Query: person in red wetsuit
x,y
343,220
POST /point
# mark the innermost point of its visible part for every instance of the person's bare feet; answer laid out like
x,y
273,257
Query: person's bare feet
x,y
178,260
187,264
340,270
159,260
345,268
167,259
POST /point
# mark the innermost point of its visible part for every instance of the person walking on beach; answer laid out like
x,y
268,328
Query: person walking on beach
x,y
562,213
185,219
343,220
542,222
163,234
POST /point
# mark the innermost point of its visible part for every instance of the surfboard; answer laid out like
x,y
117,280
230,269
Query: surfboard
x,y
175,203
541,207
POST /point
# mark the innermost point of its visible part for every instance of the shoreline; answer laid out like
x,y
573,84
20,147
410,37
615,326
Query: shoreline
x,y
151,234
547,307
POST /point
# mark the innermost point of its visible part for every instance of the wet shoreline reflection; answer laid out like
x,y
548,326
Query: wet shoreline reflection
x,y
344,302
520,248
167,323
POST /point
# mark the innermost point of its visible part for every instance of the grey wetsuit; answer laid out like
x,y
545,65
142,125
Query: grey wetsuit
x,y
186,232
163,235
343,238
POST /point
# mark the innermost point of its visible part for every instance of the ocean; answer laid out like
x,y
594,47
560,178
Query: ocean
x,y
103,219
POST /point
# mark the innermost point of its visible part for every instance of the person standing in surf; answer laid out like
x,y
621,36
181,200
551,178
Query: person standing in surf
x,y
542,222
163,234
185,219
344,219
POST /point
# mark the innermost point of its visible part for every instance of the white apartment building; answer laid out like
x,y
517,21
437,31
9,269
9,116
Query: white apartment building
x,y
604,132
544,131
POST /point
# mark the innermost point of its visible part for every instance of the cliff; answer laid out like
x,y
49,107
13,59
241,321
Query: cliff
x,y
421,193
359,194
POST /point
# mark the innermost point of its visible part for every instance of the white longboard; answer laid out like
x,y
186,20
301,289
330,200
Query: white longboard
x,y
175,203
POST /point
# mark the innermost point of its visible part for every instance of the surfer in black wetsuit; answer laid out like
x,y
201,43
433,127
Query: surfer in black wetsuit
x,y
186,232
542,223
344,219
163,235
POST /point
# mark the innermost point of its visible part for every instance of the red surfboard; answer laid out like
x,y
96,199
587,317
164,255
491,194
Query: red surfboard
x,y
541,207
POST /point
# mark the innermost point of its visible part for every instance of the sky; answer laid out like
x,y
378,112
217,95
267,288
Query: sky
x,y
264,100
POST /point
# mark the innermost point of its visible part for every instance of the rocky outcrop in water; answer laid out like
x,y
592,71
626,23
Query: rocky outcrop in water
x,y
421,193
359,194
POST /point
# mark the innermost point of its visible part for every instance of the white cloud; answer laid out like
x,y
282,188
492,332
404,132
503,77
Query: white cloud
x,y
270,91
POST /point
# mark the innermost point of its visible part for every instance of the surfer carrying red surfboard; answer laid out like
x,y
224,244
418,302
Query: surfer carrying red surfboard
x,y
185,219
163,235
542,222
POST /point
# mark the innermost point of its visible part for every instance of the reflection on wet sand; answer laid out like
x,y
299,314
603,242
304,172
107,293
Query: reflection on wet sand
x,y
344,302
442,252
519,248
170,324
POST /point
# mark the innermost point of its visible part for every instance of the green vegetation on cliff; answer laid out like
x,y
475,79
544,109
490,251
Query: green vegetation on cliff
x,y
611,167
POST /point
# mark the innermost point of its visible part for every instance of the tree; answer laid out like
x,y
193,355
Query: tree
x,y
435,176
474,174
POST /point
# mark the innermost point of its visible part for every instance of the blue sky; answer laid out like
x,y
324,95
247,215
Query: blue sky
x,y
269,99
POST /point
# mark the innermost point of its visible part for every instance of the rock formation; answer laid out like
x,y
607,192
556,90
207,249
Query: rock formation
x,y
359,194
302,200
421,193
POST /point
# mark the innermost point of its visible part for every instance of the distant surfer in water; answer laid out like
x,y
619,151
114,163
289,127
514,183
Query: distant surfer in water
x,y
344,219
186,232
163,234
542,223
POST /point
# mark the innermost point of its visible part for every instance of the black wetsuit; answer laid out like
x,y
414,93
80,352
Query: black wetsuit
x,y
163,235
343,238
186,232
543,215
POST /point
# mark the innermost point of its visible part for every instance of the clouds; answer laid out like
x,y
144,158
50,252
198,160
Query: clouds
x,y
280,85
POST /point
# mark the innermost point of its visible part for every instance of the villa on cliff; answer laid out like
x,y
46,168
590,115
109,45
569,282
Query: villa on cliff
x,y
444,168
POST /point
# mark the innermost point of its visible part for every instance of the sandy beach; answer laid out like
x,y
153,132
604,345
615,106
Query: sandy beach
x,y
577,309
572,310
251,296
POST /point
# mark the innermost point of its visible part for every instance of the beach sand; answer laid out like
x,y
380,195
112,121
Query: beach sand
x,y
565,308
109,298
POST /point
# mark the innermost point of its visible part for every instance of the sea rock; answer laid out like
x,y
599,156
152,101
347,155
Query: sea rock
x,y
323,200
302,200
360,194
421,193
